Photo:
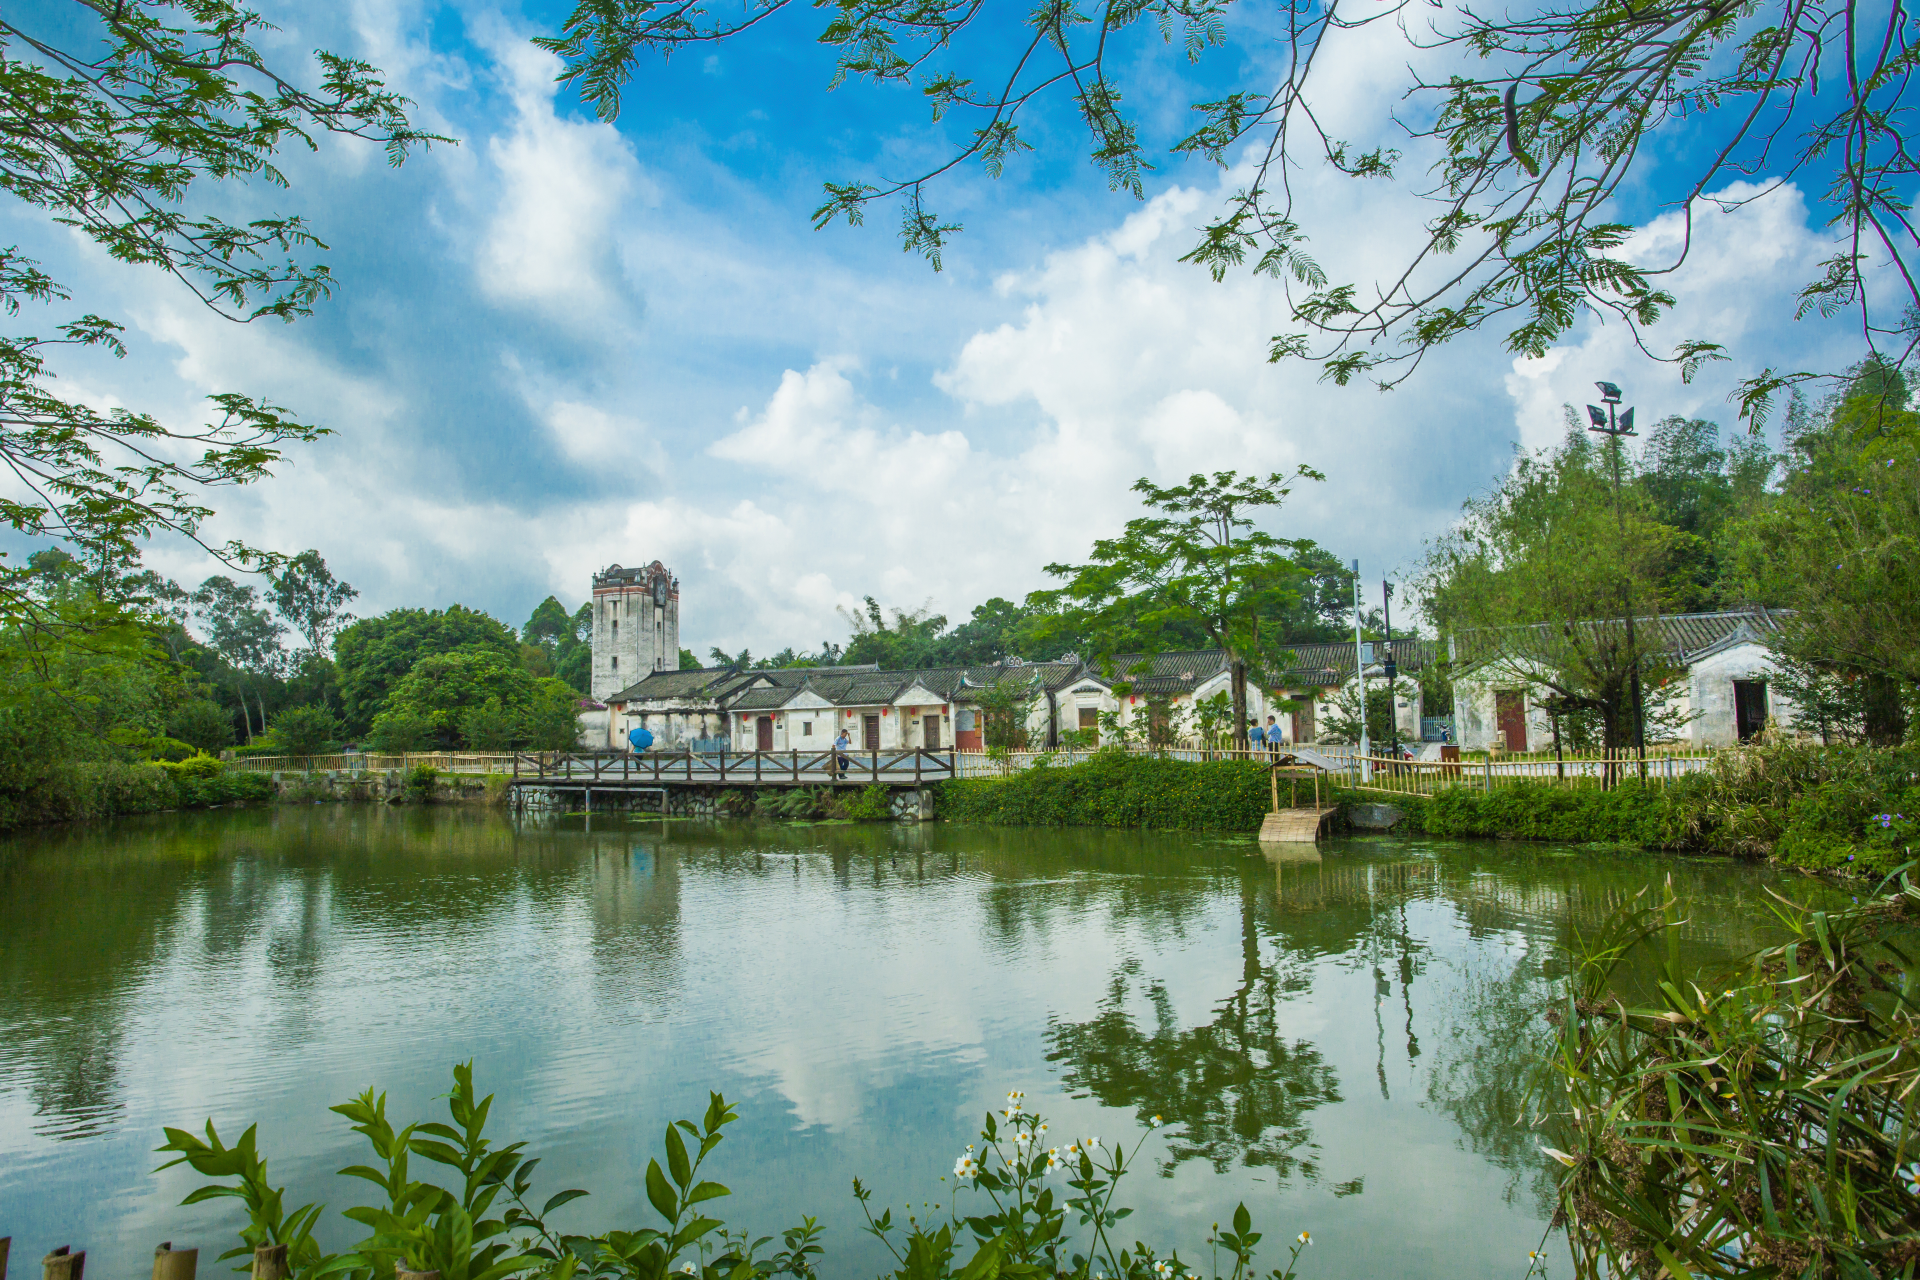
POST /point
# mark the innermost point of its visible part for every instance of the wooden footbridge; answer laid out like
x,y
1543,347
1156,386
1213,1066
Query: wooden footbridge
x,y
1295,824
659,770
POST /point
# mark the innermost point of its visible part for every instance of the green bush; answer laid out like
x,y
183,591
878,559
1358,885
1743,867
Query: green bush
x,y
873,804
72,791
305,731
164,748
1116,789
202,723
419,782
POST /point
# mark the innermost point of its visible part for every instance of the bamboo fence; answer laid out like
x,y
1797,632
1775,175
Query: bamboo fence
x,y
356,762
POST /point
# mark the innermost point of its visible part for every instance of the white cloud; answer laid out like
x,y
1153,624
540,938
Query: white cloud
x,y
560,186
1737,287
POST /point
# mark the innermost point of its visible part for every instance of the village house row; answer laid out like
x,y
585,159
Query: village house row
x,y
1724,695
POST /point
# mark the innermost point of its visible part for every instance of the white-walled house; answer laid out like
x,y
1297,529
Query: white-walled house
x,y
804,709
1322,673
1724,691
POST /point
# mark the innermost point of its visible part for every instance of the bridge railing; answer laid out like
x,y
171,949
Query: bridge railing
x,y
900,767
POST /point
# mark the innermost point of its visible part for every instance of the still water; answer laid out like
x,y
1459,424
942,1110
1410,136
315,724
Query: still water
x,y
1343,1043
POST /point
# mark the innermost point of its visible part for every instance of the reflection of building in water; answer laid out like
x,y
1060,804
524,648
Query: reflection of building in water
x,y
634,904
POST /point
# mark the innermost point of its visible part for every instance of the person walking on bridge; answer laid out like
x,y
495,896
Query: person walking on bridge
x,y
640,738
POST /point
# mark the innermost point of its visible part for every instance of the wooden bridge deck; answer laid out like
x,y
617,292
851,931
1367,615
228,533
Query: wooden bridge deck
x,y
909,767
1295,826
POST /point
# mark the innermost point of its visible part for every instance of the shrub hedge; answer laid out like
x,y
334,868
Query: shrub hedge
x,y
1822,808
69,791
1115,790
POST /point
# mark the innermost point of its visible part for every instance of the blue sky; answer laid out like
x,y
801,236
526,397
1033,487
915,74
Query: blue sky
x,y
563,344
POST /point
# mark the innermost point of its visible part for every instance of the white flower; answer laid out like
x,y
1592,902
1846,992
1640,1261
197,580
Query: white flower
x,y
1023,1137
1054,1161
1154,1123
1162,1268
1911,1176
690,1269
1042,1128
964,1167
1304,1238
1093,1144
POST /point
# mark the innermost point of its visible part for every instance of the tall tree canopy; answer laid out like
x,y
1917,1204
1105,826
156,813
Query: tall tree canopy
x,y
1198,563
123,119
1839,545
375,654
1543,116
311,599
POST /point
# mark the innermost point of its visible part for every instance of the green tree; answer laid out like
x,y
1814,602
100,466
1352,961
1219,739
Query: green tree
x,y
910,638
311,599
1199,564
375,654
1537,119
1539,575
443,688
125,122
305,731
1837,546
200,723
244,635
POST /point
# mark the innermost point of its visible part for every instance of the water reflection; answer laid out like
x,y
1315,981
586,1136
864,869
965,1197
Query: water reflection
x,y
1342,1035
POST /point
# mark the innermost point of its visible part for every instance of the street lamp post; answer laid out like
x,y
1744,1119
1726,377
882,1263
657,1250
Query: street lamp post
x,y
1360,670
1392,668
1613,425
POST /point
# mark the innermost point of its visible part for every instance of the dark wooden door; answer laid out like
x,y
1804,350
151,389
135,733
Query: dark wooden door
x,y
1510,717
763,733
1749,707
870,732
930,733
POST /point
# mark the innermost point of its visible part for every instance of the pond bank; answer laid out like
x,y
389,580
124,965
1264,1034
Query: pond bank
x,y
1821,808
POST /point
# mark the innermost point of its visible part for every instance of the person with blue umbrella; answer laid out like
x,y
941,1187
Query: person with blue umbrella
x,y
640,738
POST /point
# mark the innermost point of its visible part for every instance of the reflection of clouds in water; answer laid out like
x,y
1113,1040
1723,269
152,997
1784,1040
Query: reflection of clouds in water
x,y
863,993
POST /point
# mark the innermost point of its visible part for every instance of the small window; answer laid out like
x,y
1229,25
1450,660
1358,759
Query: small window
x,y
616,663
806,728
616,631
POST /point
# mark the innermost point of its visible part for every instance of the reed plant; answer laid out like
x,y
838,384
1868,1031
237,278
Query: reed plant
x,y
1755,1123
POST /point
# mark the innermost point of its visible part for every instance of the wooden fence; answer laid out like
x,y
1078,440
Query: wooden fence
x,y
1592,770
169,1263
356,762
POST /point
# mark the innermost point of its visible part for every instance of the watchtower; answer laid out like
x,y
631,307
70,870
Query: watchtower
x,y
636,626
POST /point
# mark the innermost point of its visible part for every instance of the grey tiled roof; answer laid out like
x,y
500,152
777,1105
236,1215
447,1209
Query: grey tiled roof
x,y
688,682
1679,637
1326,665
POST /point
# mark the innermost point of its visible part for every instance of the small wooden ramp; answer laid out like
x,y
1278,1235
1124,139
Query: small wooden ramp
x,y
1295,826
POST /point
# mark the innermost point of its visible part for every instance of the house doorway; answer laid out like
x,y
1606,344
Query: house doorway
x,y
1090,721
870,732
763,733
1510,717
1749,708
1303,724
930,733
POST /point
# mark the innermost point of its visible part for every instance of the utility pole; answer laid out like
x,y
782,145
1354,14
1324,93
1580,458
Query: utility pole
x,y
1613,427
1360,670
1392,667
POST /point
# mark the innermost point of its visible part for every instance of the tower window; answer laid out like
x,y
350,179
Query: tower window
x,y
616,631
616,662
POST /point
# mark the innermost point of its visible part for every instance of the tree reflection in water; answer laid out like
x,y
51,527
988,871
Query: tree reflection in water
x,y
1238,1088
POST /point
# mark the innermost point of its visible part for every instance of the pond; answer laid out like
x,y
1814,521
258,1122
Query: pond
x,y
1344,1043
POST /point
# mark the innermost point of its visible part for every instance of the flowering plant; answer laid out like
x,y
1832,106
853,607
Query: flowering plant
x,y
1026,1187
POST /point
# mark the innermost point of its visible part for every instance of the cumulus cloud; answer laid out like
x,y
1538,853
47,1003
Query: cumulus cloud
x,y
1736,287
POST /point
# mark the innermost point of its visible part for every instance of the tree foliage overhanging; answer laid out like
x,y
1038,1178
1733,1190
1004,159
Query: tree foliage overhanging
x,y
124,120
1546,121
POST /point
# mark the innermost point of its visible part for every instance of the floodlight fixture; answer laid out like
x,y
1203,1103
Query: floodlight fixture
x,y
1609,392
1626,423
1597,416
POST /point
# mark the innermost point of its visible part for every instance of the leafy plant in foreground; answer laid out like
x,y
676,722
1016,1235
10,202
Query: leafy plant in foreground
x,y
482,1226
1761,1125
